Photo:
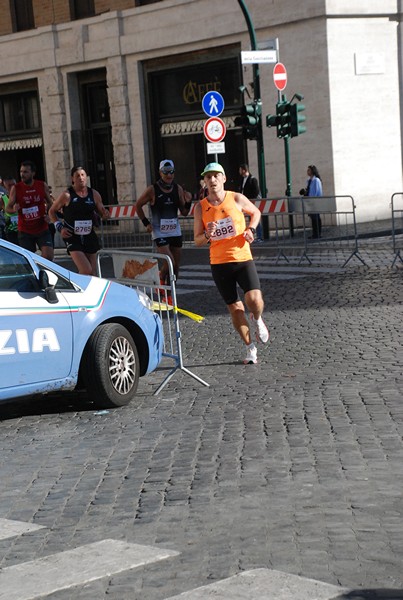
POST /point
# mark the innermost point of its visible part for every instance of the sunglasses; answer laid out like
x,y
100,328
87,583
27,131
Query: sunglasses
x,y
168,172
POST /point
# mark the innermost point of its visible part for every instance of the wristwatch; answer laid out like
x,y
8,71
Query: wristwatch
x,y
253,230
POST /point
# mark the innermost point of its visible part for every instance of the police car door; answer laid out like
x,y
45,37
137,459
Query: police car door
x,y
35,334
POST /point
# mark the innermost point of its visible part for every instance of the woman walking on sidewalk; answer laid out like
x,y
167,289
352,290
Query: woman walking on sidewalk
x,y
314,188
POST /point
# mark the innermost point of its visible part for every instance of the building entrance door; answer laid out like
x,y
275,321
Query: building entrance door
x,y
103,168
94,141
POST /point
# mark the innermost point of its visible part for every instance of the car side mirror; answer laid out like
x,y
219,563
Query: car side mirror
x,y
47,282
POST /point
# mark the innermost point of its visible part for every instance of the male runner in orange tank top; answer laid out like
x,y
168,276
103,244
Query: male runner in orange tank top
x,y
219,221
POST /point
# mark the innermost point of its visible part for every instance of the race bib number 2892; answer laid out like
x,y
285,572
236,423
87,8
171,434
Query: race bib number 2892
x,y
225,229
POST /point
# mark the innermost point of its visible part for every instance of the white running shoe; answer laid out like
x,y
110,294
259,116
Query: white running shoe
x,y
262,333
251,355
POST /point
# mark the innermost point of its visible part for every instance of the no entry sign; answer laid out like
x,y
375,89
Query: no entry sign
x,y
280,76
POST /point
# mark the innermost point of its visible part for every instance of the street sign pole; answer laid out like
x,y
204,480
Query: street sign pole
x,y
257,98
288,191
214,128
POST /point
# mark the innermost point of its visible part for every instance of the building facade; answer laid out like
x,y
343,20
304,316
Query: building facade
x,y
117,86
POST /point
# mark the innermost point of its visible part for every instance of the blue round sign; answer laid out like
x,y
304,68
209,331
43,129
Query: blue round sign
x,y
213,104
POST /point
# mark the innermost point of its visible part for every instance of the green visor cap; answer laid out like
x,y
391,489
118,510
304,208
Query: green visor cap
x,y
213,168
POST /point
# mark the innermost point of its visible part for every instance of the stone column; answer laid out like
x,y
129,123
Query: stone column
x,y
121,130
54,128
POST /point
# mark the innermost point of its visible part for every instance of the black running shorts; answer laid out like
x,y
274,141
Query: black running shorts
x,y
88,244
228,275
174,241
30,241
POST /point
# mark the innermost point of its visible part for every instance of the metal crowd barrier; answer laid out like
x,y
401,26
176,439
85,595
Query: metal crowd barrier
x,y
141,271
124,229
397,219
291,227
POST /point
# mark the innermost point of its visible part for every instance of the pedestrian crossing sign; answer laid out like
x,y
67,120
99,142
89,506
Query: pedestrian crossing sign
x,y
213,104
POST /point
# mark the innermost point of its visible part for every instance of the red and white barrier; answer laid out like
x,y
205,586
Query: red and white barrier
x,y
128,211
271,206
122,211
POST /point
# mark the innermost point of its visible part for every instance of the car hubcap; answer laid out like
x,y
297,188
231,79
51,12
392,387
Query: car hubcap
x,y
122,365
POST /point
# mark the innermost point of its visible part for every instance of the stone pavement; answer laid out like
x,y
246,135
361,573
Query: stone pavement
x,y
292,465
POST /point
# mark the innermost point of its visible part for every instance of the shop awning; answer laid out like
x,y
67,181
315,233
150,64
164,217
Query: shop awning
x,y
189,127
21,144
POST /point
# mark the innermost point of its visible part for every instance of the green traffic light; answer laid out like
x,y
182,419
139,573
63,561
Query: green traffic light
x,y
295,119
249,120
271,120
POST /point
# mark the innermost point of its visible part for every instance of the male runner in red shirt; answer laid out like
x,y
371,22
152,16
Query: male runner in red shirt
x,y
32,200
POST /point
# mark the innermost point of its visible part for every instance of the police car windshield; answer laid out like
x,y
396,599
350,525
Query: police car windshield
x,y
15,272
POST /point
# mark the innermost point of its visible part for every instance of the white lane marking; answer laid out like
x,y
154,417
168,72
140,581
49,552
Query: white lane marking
x,y
71,568
10,528
264,267
202,281
264,584
209,282
180,292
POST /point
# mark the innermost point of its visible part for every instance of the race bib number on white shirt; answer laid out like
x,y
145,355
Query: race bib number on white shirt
x,y
83,227
225,229
168,225
30,213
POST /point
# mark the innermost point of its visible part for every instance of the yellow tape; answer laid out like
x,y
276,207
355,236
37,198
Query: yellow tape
x,y
157,306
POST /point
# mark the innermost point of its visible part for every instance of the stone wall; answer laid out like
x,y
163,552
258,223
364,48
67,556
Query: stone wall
x,y
353,117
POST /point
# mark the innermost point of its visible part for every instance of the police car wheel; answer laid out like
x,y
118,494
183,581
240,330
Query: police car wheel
x,y
111,366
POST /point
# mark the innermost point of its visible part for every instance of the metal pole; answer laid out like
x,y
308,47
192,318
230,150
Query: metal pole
x,y
288,191
287,165
256,96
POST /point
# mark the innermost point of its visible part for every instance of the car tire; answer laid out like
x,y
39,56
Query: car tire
x,y
111,366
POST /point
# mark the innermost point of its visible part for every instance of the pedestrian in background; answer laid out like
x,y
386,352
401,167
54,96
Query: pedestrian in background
x,y
30,197
249,187
219,221
2,186
314,188
11,219
202,191
165,198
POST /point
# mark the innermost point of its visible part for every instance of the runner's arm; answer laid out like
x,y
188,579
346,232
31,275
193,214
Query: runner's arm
x,y
56,207
101,210
200,235
185,201
48,199
146,197
249,208
12,205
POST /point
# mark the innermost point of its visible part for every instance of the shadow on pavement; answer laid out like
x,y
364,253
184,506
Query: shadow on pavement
x,y
66,402
376,594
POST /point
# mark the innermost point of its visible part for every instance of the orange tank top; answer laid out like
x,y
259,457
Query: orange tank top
x,y
228,245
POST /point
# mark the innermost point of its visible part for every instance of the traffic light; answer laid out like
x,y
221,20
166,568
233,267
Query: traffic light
x,y
271,120
250,119
283,111
296,118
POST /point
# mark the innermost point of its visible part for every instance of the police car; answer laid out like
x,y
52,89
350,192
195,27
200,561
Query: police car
x,y
62,331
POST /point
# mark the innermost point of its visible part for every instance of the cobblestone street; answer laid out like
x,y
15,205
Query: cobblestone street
x,y
293,464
